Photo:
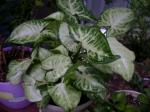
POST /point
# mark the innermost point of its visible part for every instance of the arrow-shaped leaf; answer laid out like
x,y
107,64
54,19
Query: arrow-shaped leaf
x,y
65,96
74,7
118,19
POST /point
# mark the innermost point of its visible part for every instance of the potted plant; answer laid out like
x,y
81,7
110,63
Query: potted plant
x,y
68,56
11,95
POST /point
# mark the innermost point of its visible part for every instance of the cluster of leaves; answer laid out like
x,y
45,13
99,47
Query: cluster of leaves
x,y
70,68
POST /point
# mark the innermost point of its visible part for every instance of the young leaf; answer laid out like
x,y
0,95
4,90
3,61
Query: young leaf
x,y
118,19
65,96
67,40
57,65
87,82
17,69
74,7
123,66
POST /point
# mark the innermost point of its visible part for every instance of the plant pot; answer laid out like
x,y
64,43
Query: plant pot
x,y
12,96
80,108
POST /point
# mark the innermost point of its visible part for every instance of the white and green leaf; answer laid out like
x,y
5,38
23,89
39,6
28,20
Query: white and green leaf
x,y
85,81
75,7
16,69
37,72
118,21
43,53
62,50
94,42
123,66
31,92
65,96
67,40
57,65
27,32
34,31
59,16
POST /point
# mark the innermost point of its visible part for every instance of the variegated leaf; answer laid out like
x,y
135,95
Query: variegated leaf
x,y
28,80
57,65
67,40
34,31
62,50
118,21
85,80
17,69
65,96
59,16
29,31
74,7
37,72
51,30
94,42
31,92
123,66
43,53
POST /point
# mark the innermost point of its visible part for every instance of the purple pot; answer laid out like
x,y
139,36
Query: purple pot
x,y
15,96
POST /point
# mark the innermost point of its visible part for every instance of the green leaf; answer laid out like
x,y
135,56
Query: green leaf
x,y
123,66
143,99
94,42
16,69
31,92
59,16
74,7
84,80
119,100
118,19
37,72
57,65
65,96
67,40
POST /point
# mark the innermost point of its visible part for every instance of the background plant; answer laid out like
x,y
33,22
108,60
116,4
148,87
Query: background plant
x,y
138,37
